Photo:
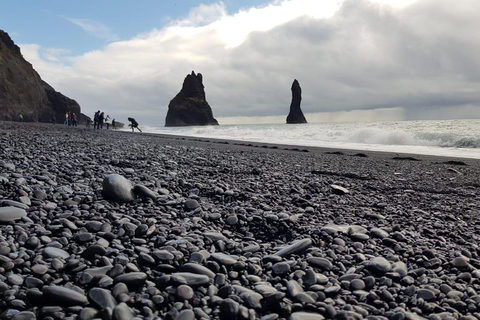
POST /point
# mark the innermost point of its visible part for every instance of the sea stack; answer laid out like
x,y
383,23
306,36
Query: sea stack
x,y
189,107
23,92
296,115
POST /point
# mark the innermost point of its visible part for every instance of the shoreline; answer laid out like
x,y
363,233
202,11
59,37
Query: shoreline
x,y
297,148
215,229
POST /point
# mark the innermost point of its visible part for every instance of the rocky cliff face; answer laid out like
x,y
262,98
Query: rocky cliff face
x,y
189,107
296,115
22,91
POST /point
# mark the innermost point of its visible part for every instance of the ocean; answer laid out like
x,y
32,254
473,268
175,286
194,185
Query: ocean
x,y
454,138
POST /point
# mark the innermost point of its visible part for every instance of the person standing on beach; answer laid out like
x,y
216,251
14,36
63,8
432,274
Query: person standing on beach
x,y
95,119
74,119
113,124
107,121
134,124
101,117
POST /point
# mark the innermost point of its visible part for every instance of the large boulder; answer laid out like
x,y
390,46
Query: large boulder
x,y
117,188
189,107
22,91
296,115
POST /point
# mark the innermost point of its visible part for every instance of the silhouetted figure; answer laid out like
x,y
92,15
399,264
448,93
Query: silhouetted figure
x,y
101,117
114,124
95,119
134,124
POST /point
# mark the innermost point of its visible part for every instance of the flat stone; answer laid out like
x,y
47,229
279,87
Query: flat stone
x,y
186,314
224,258
319,262
39,269
297,247
305,316
132,279
52,252
190,279
198,269
163,255
8,214
24,315
426,294
214,236
62,296
339,189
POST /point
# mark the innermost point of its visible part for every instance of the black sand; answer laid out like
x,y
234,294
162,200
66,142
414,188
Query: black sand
x,y
233,230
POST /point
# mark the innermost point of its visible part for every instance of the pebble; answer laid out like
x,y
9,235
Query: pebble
x,y
101,298
57,295
297,247
379,265
9,214
117,188
132,279
190,279
52,252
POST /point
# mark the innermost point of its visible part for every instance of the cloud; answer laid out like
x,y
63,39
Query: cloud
x,y
352,57
95,28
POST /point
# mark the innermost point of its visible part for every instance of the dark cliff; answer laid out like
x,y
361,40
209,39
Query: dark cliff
x,y
22,91
296,115
190,107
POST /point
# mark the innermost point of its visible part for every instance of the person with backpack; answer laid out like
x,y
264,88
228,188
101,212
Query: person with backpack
x,y
95,119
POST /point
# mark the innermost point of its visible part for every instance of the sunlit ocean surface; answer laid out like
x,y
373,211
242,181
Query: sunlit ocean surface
x,y
455,138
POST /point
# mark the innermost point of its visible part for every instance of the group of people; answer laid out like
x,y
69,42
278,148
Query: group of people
x,y
99,119
70,118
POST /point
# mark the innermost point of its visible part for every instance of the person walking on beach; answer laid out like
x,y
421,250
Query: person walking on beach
x,y
134,124
113,124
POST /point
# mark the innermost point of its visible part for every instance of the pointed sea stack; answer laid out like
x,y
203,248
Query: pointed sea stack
x,y
22,91
296,115
189,107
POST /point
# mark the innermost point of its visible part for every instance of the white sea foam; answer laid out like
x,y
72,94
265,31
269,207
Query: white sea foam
x,y
458,138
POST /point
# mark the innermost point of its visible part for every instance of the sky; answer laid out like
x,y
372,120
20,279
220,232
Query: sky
x,y
355,60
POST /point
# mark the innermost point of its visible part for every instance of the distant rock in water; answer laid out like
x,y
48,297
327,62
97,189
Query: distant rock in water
x,y
22,91
189,107
296,115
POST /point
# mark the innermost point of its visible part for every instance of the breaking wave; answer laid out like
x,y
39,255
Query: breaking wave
x,y
399,136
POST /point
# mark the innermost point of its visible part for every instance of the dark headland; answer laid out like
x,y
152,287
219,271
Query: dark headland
x,y
24,95
226,230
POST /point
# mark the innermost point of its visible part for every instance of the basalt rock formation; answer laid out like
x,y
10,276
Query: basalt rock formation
x,y
296,115
22,91
189,107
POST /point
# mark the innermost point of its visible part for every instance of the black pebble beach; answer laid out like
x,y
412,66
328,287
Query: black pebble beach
x,y
120,225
